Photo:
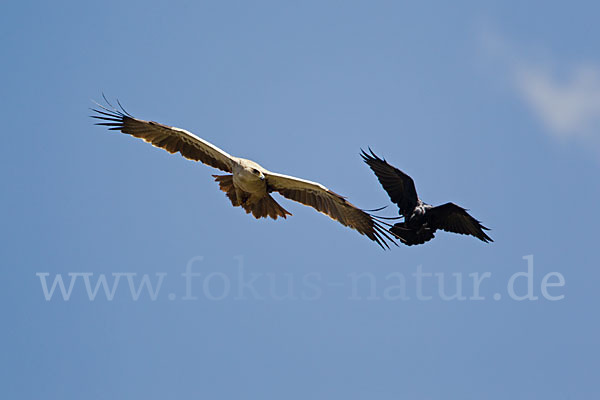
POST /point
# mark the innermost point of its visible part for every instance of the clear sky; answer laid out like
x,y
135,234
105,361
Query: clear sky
x,y
492,105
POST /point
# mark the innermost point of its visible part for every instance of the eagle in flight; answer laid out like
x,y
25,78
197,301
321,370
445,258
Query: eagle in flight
x,y
248,185
421,220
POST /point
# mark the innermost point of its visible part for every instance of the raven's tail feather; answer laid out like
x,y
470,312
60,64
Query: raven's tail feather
x,y
411,236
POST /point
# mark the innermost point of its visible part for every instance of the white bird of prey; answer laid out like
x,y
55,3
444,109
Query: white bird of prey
x,y
250,185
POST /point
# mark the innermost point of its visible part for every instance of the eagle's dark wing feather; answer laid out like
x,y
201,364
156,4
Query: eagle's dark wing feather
x,y
333,205
452,218
399,186
166,137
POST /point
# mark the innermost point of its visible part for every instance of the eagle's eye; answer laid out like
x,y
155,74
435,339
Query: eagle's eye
x,y
255,171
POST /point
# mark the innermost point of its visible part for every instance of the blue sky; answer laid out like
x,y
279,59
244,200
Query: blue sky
x,y
492,105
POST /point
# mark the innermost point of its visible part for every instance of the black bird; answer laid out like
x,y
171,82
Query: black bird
x,y
421,220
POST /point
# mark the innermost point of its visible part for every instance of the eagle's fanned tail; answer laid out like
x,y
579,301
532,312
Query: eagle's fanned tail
x,y
261,207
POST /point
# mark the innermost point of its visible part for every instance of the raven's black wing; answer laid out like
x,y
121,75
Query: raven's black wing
x,y
399,186
452,218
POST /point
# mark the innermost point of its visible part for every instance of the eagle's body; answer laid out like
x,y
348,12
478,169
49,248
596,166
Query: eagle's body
x,y
248,185
248,179
421,220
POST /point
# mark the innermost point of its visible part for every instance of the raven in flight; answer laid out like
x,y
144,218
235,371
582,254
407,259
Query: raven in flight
x,y
421,220
249,185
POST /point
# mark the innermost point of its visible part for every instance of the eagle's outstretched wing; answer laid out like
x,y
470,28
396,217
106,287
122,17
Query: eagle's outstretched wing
x,y
452,218
399,186
329,203
166,137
